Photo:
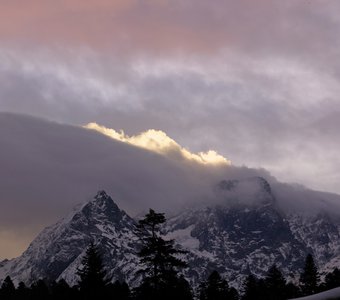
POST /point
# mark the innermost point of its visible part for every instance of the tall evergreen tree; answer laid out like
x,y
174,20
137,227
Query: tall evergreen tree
x,y
159,258
7,289
233,294
119,291
252,288
61,290
332,280
23,292
215,288
39,290
309,278
275,284
92,274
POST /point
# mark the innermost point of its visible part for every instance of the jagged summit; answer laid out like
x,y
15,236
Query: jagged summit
x,y
102,194
102,206
232,239
57,251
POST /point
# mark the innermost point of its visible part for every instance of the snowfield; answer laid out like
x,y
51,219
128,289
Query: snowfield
x,y
328,295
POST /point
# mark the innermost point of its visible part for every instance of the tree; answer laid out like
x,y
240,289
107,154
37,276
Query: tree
x,y
61,290
253,288
275,284
23,292
7,289
332,280
233,294
309,278
92,274
159,258
119,290
215,288
39,290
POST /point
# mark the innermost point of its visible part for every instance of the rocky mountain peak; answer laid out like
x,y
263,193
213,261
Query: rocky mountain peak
x,y
100,209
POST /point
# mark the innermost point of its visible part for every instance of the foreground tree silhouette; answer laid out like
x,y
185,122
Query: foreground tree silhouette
x,y
39,290
216,288
159,257
332,280
253,288
309,278
275,284
7,289
92,282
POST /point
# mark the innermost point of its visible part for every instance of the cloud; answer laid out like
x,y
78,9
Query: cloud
x,y
47,168
158,141
257,81
271,112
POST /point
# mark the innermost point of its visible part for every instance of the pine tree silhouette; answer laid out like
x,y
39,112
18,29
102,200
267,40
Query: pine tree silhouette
x,y
215,288
7,289
251,288
61,290
332,280
39,290
275,284
309,278
22,292
160,261
92,275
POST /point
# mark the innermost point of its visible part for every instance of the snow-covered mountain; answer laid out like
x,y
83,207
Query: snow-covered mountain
x,y
246,231
57,251
241,236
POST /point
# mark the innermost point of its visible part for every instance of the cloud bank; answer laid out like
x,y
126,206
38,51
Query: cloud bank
x,y
257,81
47,168
158,141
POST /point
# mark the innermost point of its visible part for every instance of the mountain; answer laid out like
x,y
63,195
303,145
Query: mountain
x,y
237,237
57,251
247,231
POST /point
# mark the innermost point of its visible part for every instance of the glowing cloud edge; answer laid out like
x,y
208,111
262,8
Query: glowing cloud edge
x,y
159,142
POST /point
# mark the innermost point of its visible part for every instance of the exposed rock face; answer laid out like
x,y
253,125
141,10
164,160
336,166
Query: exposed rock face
x,y
235,237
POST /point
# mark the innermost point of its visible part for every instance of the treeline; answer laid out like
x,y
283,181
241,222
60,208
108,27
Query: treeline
x,y
161,267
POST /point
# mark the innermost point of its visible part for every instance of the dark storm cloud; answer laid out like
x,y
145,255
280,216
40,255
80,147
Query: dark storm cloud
x,y
255,80
277,114
46,168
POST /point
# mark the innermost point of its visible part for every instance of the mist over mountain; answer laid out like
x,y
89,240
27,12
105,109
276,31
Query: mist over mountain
x,y
234,237
47,168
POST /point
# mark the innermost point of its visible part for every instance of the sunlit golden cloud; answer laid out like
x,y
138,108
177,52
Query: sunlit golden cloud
x,y
158,141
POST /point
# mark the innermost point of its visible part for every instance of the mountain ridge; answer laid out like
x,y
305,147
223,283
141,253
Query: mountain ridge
x,y
234,239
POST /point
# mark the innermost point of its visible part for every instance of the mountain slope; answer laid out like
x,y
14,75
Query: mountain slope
x,y
57,251
235,237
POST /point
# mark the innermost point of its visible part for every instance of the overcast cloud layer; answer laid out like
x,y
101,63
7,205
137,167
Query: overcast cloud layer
x,y
256,81
47,168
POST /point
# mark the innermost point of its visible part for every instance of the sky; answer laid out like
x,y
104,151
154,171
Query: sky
x,y
254,81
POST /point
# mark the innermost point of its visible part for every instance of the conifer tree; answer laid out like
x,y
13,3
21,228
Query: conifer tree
x,y
233,294
332,280
22,292
251,288
275,284
215,288
159,258
119,291
61,290
92,274
7,289
39,290
309,278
